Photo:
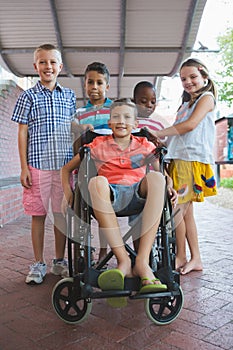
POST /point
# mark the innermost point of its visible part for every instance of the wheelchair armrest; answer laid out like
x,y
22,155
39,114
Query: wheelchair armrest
x,y
87,166
160,153
83,150
88,136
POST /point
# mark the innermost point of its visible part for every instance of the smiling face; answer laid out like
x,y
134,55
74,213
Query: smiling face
x,y
96,87
145,100
122,121
48,65
191,79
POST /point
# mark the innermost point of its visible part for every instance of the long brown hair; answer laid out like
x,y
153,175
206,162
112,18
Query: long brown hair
x,y
210,86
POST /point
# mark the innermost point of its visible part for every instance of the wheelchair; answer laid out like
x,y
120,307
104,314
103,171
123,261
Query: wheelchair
x,y
72,297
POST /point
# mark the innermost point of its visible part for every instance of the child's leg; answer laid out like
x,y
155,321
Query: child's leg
x,y
106,217
181,259
103,245
37,234
195,263
60,235
152,187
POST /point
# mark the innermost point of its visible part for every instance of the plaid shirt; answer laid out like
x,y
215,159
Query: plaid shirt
x,y
48,115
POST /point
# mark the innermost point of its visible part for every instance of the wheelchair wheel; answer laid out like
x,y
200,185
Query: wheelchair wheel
x,y
164,310
67,304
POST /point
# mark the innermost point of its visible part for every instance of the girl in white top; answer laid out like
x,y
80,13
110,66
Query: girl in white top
x,y
190,151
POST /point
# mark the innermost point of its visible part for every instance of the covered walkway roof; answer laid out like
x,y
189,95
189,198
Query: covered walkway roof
x,y
137,40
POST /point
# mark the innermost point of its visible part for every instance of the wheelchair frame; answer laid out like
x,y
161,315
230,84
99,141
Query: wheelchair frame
x,y
72,296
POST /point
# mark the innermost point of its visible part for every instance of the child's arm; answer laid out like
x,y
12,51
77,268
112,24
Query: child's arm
x,y
171,192
25,176
205,105
65,180
80,128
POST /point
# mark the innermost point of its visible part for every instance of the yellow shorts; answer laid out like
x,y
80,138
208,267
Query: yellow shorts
x,y
192,180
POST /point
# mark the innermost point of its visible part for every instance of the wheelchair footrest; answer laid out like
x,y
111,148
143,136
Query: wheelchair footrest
x,y
110,294
154,295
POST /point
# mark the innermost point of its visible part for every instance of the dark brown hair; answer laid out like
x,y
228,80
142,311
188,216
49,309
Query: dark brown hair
x,y
100,68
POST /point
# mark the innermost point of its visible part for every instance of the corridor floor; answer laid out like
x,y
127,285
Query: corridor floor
x,y
28,321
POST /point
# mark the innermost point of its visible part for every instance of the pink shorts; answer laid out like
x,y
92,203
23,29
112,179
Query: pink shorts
x,y
46,191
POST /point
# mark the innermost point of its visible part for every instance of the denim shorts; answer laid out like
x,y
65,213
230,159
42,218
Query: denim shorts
x,y
126,199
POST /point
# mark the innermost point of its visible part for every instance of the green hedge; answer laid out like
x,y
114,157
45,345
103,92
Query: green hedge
x,y
227,182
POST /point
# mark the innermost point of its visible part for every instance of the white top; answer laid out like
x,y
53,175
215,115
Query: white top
x,y
195,145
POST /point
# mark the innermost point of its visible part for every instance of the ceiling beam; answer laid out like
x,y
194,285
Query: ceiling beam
x,y
187,29
58,36
101,49
122,46
6,65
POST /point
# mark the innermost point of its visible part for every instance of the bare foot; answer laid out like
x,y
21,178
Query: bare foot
x,y
192,265
125,268
146,281
180,263
143,270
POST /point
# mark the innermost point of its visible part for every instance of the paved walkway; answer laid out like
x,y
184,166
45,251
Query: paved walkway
x,y
28,321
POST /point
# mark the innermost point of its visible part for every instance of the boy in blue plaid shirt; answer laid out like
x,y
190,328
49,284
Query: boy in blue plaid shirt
x,y
44,114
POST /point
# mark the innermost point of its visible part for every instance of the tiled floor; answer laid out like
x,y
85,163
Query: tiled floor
x,y
206,321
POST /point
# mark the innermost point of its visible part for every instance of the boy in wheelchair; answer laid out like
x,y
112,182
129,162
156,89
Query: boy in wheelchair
x,y
123,186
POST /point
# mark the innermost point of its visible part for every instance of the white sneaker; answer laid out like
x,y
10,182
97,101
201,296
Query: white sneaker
x,y
37,273
60,267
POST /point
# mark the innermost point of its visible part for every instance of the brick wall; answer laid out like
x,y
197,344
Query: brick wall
x,y
10,203
9,158
226,170
10,188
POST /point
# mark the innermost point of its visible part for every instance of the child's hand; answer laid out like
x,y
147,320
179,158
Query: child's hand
x,y
86,127
173,196
25,178
153,137
67,201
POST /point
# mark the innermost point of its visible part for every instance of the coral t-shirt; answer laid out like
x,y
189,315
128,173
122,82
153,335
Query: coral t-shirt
x,y
124,167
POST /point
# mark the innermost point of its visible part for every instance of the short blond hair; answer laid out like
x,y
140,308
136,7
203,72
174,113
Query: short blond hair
x,y
124,102
47,47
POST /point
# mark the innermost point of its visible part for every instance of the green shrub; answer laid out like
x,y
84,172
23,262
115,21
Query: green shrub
x,y
227,182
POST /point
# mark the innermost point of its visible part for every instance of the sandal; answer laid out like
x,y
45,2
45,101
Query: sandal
x,y
152,287
113,280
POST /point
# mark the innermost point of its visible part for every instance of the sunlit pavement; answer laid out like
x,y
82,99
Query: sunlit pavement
x,y
206,321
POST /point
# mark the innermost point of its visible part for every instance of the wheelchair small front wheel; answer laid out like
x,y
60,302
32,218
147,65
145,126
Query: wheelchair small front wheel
x,y
164,310
69,306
